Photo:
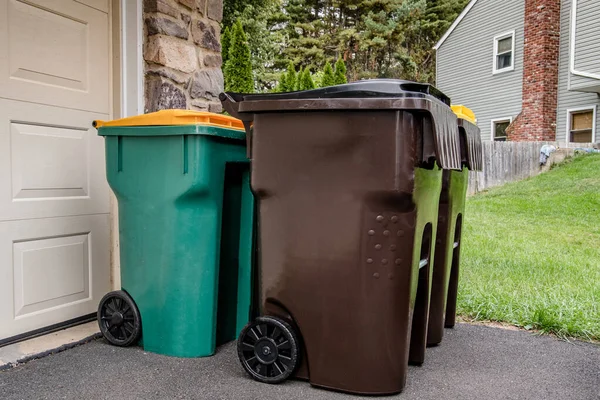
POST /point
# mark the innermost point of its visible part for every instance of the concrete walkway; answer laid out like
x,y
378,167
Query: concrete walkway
x,y
473,362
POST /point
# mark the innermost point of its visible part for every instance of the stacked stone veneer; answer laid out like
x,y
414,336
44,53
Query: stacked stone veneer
x,y
182,53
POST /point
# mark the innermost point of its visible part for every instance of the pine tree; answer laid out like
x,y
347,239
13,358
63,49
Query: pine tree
x,y
238,70
306,81
376,38
340,72
328,76
225,40
281,84
292,78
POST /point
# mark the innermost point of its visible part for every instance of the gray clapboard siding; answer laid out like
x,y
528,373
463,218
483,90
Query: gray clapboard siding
x,y
588,31
587,36
465,62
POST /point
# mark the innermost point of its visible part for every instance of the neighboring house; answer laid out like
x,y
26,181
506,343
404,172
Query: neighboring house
x,y
529,69
63,64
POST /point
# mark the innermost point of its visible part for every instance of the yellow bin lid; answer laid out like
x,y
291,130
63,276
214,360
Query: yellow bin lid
x,y
176,117
464,113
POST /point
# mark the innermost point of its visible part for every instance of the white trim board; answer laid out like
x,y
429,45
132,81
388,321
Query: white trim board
x,y
593,108
572,45
455,24
132,58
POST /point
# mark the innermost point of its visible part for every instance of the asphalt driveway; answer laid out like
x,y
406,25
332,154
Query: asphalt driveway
x,y
473,362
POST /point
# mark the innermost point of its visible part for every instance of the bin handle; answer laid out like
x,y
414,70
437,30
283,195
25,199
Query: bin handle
x,y
232,107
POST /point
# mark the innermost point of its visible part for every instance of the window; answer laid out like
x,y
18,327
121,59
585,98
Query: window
x,y
581,125
499,129
504,52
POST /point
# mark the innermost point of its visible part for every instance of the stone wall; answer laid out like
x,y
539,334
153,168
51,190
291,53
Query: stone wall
x,y
182,53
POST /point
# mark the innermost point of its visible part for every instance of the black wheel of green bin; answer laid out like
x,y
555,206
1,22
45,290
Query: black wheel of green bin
x,y
119,319
268,349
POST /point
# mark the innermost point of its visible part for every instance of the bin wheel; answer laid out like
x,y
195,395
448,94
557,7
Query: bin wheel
x,y
119,319
268,349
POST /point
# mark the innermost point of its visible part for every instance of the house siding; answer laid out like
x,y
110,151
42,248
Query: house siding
x,y
465,62
587,43
587,36
586,57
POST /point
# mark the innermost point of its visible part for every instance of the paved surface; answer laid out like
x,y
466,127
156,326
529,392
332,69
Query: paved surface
x,y
46,344
473,362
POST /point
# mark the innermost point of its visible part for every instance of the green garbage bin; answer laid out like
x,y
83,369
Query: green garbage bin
x,y
181,179
442,310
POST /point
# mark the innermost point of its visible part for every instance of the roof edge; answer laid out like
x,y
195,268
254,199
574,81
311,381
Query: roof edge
x,y
457,21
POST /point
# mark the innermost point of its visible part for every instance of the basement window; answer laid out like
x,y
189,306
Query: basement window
x,y
581,125
504,52
499,127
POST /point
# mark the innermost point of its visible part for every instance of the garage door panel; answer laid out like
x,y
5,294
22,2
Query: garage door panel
x,y
50,272
58,67
53,270
101,5
50,169
49,162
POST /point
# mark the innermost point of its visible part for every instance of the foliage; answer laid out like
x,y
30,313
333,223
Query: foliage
x,y
340,72
375,38
258,17
328,76
306,82
233,9
238,69
225,40
288,80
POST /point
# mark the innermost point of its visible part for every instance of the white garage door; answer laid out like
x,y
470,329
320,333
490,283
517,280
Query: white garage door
x,y
54,201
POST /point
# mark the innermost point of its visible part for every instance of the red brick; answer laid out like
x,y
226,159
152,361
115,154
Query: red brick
x,y
537,120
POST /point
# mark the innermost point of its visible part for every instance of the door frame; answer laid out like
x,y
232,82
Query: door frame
x,y
128,59
127,28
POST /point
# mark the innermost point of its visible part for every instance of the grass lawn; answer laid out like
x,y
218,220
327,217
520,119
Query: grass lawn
x,y
531,252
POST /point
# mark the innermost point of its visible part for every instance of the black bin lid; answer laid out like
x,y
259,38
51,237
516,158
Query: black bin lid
x,y
373,88
375,94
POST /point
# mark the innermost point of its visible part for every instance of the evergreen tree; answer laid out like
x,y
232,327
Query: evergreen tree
x,y
281,84
420,37
328,76
376,38
303,32
238,70
306,81
317,78
225,40
232,9
340,72
292,78
289,80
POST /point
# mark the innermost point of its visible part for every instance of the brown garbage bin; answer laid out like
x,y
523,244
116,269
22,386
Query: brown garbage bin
x,y
442,311
347,180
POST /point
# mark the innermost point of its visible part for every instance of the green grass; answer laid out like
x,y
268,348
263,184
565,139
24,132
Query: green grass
x,y
531,252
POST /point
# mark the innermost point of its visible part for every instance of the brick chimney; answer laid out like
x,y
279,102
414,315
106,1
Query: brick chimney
x,y
537,120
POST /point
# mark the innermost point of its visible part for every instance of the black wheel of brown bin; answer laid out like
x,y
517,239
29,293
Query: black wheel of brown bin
x,y
119,319
268,349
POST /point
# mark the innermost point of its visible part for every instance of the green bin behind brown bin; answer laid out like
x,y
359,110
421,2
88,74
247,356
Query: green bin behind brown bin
x,y
442,311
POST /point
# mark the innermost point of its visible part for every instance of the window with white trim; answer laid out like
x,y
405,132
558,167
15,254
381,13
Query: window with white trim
x,y
504,52
499,127
581,126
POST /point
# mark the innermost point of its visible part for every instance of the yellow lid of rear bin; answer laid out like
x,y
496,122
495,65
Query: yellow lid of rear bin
x,y
176,117
464,113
